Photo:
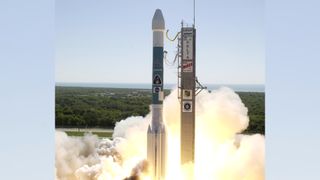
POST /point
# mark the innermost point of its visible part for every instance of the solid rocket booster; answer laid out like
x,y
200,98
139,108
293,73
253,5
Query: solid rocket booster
x,y
156,140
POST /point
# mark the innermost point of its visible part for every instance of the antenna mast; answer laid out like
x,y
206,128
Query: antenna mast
x,y
194,13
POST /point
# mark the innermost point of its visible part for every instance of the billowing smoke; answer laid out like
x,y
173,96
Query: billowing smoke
x,y
221,152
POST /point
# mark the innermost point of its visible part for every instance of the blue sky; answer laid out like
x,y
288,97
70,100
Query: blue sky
x,y
111,41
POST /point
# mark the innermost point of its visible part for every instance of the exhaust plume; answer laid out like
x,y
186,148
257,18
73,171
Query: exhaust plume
x,y
221,151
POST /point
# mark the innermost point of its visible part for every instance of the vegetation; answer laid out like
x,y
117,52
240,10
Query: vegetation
x,y
255,103
81,133
85,107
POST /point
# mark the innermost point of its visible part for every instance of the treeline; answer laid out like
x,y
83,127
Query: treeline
x,y
255,103
103,107
98,107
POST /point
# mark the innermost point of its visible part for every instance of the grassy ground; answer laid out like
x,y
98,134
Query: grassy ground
x,y
81,133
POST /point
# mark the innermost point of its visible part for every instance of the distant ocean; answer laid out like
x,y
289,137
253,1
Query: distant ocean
x,y
235,87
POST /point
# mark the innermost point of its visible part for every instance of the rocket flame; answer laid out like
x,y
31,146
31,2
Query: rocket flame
x,y
221,152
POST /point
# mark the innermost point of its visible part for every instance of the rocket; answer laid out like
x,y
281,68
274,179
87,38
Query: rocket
x,y
156,135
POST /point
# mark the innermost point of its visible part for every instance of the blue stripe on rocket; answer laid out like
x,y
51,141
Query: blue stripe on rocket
x,y
157,75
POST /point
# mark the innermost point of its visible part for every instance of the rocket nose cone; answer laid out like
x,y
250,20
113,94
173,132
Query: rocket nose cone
x,y
158,21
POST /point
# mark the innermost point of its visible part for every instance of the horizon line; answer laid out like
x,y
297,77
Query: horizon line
x,y
150,83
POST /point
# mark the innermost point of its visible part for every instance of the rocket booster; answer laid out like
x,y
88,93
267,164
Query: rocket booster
x,y
156,137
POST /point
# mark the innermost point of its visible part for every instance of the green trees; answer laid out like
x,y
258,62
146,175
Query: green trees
x,y
98,107
255,102
103,107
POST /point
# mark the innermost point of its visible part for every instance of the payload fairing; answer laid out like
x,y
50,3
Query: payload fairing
x,y
156,138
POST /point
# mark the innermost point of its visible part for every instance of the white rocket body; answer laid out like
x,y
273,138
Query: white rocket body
x,y
156,135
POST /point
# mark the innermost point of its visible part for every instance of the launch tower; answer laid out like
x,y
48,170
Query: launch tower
x,y
189,87
187,82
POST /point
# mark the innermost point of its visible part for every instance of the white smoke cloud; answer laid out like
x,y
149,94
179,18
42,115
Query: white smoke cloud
x,y
73,153
221,153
